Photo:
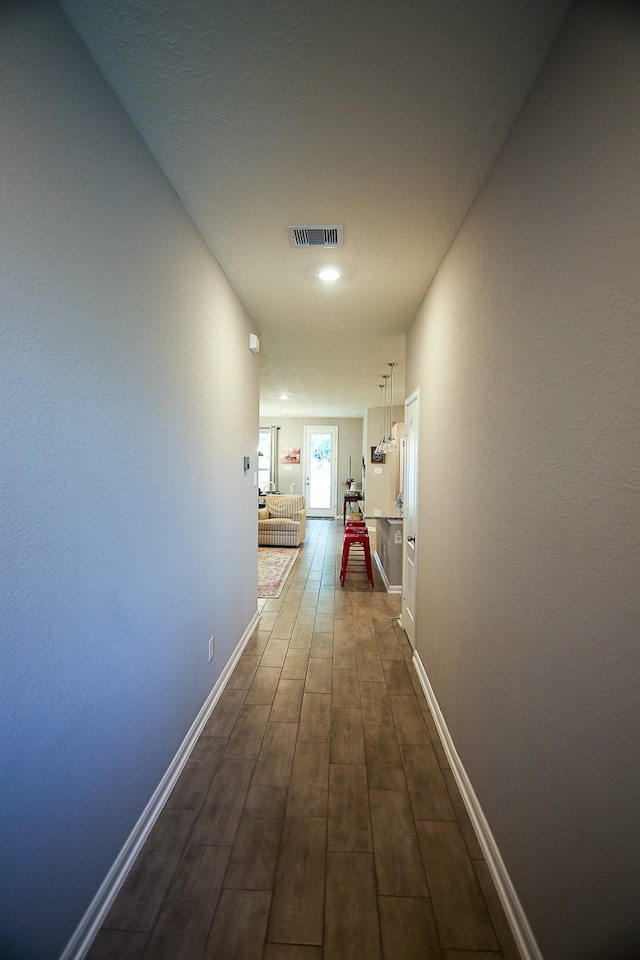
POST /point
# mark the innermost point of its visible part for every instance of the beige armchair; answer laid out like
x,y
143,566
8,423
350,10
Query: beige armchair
x,y
281,522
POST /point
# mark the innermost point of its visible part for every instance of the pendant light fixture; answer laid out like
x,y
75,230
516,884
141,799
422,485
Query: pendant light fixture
x,y
387,443
391,443
383,412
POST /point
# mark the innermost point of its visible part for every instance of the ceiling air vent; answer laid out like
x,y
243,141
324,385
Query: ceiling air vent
x,y
315,236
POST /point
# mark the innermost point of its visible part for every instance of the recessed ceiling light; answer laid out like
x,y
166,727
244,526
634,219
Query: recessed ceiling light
x,y
328,274
284,396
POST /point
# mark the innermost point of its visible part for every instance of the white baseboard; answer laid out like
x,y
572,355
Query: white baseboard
x,y
88,927
518,922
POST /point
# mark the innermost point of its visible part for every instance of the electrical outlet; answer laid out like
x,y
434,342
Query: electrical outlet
x,y
212,648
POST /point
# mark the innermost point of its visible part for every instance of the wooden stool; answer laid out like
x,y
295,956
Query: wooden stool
x,y
356,535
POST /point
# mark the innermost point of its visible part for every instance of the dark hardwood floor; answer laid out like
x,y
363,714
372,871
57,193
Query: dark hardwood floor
x,y
317,816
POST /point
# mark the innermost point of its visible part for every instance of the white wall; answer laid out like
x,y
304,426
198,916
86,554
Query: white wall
x,y
526,354
128,398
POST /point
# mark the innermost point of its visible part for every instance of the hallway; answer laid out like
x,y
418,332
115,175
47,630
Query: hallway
x,y
317,816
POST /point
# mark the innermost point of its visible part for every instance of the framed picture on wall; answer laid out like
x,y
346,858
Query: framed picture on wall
x,y
291,456
376,457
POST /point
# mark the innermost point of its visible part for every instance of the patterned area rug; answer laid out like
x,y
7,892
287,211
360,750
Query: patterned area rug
x,y
274,566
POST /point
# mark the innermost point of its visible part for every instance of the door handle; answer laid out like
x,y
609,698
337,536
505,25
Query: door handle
x,y
411,539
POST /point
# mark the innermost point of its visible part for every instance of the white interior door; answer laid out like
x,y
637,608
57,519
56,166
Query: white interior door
x,y
410,545
320,470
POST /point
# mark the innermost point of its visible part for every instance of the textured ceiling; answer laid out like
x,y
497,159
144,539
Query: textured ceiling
x,y
384,117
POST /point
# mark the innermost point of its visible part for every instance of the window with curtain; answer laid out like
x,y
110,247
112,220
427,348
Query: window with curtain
x,y
264,458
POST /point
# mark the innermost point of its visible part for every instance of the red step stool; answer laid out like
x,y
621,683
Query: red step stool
x,y
355,535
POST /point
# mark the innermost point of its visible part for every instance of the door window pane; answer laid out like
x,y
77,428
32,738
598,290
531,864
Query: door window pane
x,y
320,471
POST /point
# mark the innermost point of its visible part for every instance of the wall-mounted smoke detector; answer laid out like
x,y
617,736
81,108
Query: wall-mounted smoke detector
x,y
316,235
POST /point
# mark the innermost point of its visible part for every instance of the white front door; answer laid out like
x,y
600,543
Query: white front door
x,y
320,470
410,547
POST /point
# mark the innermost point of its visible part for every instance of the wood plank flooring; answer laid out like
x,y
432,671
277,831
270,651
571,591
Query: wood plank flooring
x,y
317,817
